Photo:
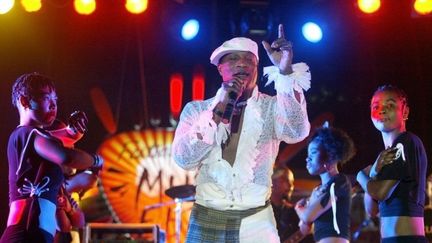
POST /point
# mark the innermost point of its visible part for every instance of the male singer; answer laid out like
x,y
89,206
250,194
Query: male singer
x,y
233,139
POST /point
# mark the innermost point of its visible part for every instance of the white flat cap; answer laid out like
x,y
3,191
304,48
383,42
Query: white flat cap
x,y
235,44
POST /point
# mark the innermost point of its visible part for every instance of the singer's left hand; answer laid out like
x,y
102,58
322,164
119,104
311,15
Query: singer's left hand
x,y
280,52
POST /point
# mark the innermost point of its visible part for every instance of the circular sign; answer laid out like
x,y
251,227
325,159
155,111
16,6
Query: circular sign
x,y
138,169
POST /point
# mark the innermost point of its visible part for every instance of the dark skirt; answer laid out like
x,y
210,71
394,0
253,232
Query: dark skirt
x,y
19,233
405,239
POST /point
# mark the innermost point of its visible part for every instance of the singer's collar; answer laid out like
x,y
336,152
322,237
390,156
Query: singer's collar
x,y
254,95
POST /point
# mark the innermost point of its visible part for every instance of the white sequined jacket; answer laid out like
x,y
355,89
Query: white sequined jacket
x,y
267,121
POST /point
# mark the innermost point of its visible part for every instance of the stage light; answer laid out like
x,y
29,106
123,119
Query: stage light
x,y
85,7
6,6
31,5
198,83
423,7
190,29
312,32
253,19
176,94
136,6
256,22
369,6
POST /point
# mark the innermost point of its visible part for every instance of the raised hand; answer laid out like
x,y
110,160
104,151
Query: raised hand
x,y
280,52
78,122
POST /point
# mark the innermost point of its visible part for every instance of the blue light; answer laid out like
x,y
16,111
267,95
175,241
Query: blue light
x,y
190,29
312,32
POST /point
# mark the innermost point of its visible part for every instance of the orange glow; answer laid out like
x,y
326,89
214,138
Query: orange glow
x,y
31,5
138,170
103,109
198,83
6,6
136,6
85,7
369,6
176,93
423,7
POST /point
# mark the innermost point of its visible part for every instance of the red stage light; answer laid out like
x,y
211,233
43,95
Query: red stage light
x,y
176,94
198,83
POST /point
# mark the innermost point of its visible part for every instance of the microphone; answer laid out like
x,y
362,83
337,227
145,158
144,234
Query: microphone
x,y
229,108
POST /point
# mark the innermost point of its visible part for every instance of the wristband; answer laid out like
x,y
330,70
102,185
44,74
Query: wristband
x,y
98,161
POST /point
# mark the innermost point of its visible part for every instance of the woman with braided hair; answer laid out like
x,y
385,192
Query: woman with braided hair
x,y
395,183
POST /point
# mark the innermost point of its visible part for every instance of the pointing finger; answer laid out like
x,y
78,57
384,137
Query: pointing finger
x,y
281,32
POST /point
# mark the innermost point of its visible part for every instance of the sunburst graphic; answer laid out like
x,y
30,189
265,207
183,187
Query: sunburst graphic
x,y
138,170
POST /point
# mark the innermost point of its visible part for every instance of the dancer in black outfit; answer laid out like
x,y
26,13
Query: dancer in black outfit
x,y
35,160
328,207
395,184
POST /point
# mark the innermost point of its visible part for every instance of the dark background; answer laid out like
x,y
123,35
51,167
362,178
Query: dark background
x,y
103,50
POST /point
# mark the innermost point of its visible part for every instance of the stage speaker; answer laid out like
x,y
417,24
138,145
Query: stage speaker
x,y
125,232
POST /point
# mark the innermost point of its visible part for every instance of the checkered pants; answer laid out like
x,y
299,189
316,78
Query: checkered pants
x,y
211,225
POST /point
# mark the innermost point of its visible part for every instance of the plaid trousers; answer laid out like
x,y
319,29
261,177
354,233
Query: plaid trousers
x,y
211,225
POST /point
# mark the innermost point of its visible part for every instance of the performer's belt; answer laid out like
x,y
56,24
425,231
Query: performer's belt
x,y
230,213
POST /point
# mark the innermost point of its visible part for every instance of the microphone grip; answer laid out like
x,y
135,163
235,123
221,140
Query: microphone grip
x,y
229,108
